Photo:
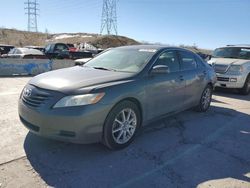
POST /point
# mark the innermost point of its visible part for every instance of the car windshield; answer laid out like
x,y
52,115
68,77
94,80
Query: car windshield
x,y
122,60
232,52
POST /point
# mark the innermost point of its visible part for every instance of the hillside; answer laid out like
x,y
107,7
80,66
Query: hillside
x,y
24,38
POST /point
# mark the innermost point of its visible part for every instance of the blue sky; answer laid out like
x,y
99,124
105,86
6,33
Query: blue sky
x,y
207,23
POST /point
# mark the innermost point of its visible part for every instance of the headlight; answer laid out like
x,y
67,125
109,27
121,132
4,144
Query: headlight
x,y
79,100
235,69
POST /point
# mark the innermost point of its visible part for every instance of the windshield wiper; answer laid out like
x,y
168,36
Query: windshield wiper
x,y
103,68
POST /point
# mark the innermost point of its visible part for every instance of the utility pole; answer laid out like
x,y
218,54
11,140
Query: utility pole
x,y
31,11
109,19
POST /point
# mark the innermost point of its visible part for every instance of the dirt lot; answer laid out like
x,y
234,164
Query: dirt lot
x,y
188,150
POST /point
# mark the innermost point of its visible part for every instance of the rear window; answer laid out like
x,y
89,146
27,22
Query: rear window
x,y
188,61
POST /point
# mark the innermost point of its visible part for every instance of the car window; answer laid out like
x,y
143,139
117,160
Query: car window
x,y
12,51
18,51
170,59
200,62
61,47
188,61
71,45
47,48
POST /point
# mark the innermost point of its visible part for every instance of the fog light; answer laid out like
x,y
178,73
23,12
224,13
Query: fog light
x,y
233,79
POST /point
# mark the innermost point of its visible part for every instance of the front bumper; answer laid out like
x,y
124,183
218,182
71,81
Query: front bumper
x,y
230,81
73,124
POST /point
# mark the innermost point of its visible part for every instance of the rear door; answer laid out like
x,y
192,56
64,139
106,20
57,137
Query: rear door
x,y
165,92
193,75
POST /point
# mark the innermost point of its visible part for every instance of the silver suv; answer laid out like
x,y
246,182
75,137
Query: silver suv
x,y
232,66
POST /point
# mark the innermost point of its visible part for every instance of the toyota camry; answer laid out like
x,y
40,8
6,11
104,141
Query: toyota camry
x,y
113,95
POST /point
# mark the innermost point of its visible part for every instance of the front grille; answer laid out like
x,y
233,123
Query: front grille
x,y
36,98
223,79
220,68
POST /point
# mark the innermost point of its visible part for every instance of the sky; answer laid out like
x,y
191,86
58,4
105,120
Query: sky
x,y
205,23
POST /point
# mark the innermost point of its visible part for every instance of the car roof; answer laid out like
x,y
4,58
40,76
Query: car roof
x,y
34,47
30,51
238,45
6,45
152,47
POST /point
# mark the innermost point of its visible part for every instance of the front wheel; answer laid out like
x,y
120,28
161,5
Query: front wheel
x,y
246,88
205,100
121,125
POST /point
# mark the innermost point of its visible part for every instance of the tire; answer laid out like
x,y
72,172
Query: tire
x,y
205,99
246,88
121,125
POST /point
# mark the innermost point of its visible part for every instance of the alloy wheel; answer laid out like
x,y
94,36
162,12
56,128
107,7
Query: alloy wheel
x,y
124,126
206,98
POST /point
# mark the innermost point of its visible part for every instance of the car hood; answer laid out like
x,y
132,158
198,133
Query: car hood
x,y
227,61
76,78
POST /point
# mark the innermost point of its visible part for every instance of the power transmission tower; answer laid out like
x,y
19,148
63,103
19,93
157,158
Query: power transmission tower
x,y
31,11
109,19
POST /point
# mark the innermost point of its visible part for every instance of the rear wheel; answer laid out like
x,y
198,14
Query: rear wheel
x,y
121,125
205,100
246,88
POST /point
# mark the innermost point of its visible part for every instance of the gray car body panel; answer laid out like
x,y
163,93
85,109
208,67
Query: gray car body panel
x,y
70,80
156,95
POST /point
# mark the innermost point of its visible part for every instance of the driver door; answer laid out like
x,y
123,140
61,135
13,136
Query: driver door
x,y
165,91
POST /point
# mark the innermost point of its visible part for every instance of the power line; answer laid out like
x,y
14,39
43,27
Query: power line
x,y
109,18
31,11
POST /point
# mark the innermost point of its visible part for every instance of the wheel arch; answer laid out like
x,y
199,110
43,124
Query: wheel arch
x,y
136,102
130,99
248,75
210,84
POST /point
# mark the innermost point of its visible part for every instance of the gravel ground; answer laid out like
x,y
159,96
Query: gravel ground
x,y
190,149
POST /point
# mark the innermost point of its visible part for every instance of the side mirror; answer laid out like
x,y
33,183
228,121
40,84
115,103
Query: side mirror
x,y
160,69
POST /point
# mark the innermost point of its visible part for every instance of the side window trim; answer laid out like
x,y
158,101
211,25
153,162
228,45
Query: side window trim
x,y
165,51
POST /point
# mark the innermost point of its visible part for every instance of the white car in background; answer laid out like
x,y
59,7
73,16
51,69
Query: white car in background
x,y
25,53
232,66
82,61
40,48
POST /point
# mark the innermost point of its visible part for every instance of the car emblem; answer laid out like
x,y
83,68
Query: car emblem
x,y
27,92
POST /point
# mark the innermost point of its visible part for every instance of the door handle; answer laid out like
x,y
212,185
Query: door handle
x,y
205,72
181,78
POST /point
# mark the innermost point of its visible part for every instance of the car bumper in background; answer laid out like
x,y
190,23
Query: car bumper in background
x,y
230,81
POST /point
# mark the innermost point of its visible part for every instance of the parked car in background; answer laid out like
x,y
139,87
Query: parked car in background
x,y
109,98
232,66
40,48
72,48
82,61
25,53
4,49
204,56
61,51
